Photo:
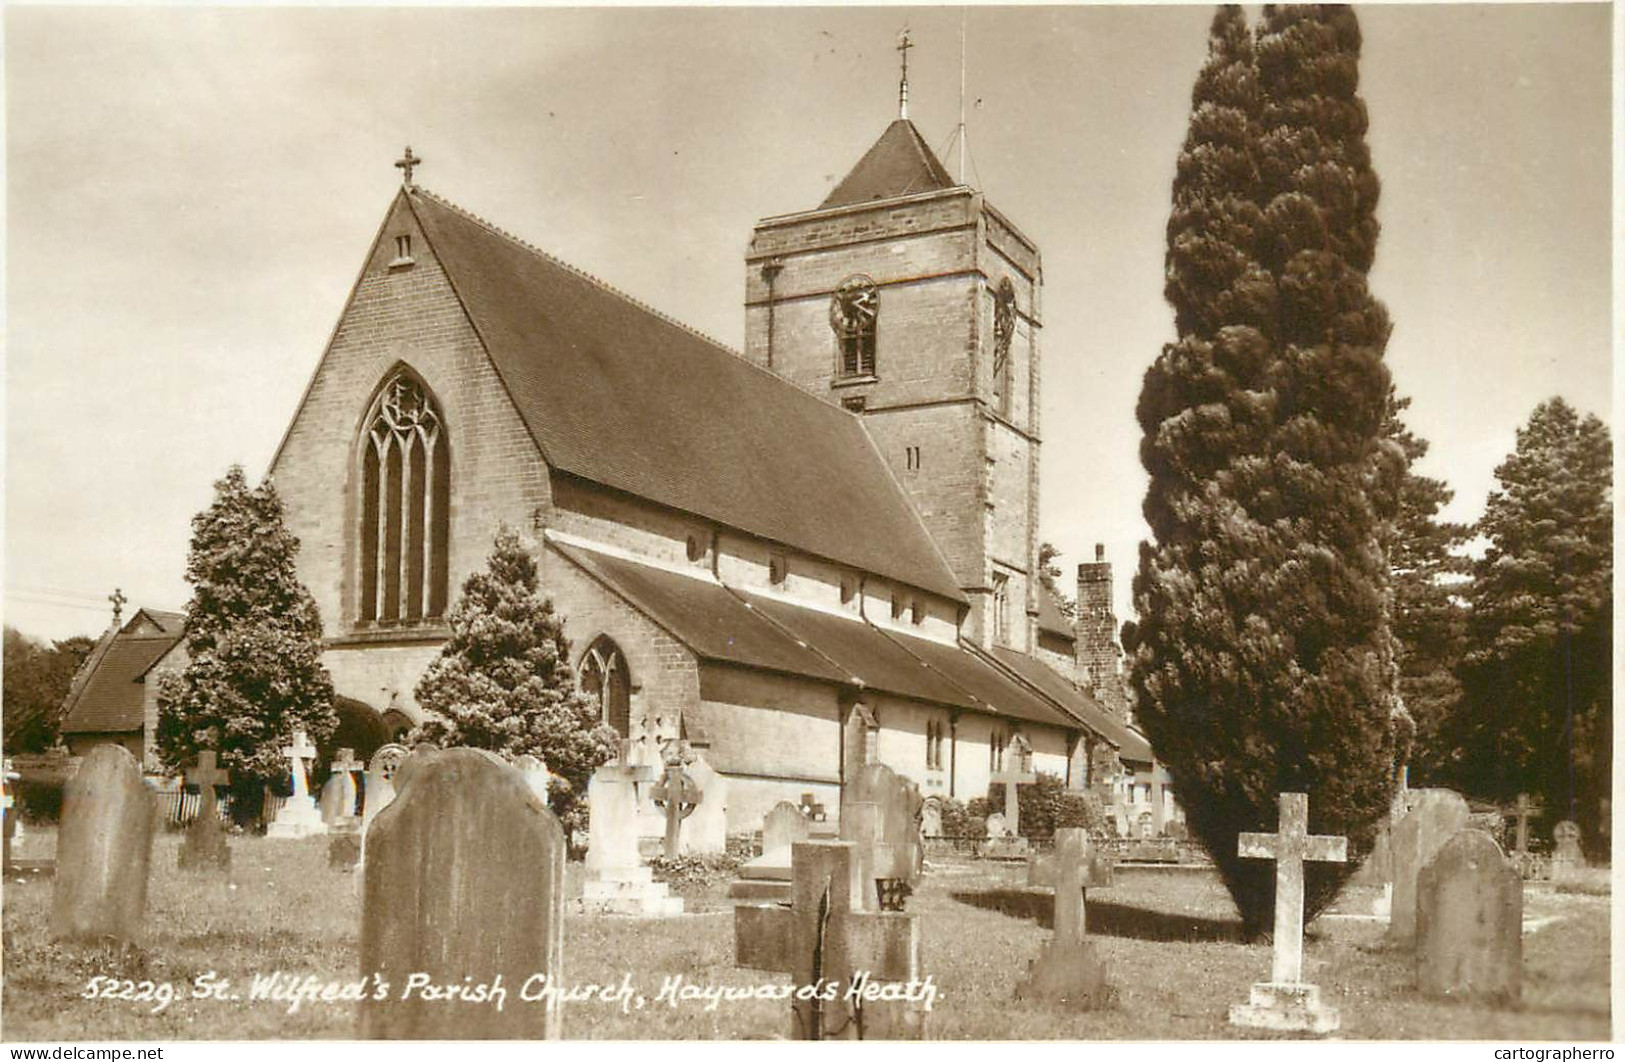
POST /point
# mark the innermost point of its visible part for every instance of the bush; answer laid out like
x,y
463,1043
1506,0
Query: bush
x,y
958,821
39,801
691,874
1046,806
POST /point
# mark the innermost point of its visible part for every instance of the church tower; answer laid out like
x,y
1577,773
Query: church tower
x,y
906,298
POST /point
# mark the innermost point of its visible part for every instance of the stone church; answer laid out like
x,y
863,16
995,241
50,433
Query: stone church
x,y
814,553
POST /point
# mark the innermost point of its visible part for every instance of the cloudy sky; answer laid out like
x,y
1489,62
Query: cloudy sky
x,y
190,193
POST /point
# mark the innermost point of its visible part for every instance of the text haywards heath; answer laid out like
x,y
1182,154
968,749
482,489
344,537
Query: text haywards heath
x,y
674,991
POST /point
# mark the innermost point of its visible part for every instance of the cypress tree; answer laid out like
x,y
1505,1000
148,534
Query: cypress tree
x,y
1264,662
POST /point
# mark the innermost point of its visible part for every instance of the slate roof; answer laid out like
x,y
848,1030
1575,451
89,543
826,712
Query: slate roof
x,y
1051,620
1059,688
899,163
109,698
618,394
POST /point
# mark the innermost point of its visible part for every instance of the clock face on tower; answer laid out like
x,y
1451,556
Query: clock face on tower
x,y
853,307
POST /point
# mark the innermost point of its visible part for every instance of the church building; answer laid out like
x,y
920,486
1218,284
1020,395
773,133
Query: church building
x,y
814,553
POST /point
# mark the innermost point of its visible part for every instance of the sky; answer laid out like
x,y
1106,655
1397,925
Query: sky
x,y
190,193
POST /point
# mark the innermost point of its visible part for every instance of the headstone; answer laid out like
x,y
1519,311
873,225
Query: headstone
x,y
812,808
767,877
464,883
338,809
825,938
1469,922
931,817
103,850
1285,1002
1566,853
880,813
1435,816
298,816
1525,809
617,881
380,784
1069,971
205,845
997,826
705,831
1019,757
676,796
9,827
536,775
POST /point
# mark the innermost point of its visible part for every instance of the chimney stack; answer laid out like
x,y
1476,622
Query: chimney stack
x,y
1096,635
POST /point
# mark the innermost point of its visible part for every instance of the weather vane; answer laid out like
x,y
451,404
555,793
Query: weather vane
x,y
903,45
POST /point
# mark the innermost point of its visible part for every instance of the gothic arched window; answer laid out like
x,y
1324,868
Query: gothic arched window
x,y
604,677
405,505
853,310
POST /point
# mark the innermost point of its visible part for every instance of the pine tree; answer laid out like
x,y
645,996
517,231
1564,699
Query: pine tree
x,y
1539,672
1263,659
503,681
1429,617
253,641
1049,576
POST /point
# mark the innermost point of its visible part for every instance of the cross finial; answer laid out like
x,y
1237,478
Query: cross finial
x,y
405,164
118,599
903,45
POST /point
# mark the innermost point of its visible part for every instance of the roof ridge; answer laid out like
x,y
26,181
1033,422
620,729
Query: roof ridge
x,y
597,281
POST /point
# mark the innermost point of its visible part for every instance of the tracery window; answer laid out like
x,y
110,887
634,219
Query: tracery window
x,y
604,677
405,505
1004,330
853,311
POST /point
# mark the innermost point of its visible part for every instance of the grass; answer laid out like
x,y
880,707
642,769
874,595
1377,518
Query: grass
x,y
1172,941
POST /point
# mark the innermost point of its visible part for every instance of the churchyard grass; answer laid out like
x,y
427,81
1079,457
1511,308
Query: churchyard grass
x,y
1171,940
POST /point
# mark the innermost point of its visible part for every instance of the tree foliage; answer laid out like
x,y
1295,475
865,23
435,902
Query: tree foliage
x,y
1263,659
503,681
253,641
37,677
1538,672
1050,575
1429,614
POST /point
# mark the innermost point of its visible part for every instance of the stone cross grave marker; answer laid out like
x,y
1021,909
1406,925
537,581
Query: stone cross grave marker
x,y
1020,772
1526,808
344,768
678,796
617,881
1285,1002
1469,922
298,817
1068,970
1435,816
535,774
825,937
103,851
205,845
464,882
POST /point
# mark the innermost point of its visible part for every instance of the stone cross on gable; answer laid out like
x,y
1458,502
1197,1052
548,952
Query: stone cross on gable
x,y
119,600
205,775
822,937
296,754
679,796
1020,772
405,164
1291,847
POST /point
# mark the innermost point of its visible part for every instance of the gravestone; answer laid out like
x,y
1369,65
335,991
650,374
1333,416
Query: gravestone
x,y
103,850
812,809
9,827
464,882
1068,970
380,782
880,813
617,881
1285,1002
205,846
705,831
338,806
1435,816
1524,810
298,816
825,938
767,877
1566,853
997,827
1019,773
931,817
1469,922
676,796
536,775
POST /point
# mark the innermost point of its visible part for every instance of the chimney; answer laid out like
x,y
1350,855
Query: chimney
x,y
1096,635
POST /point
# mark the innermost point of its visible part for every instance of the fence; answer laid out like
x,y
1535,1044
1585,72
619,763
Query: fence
x,y
177,807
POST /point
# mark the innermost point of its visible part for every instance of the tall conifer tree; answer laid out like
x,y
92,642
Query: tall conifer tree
x,y
1263,661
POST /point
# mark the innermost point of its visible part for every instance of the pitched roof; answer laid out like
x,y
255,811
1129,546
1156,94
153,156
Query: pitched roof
x,y
109,699
620,395
1060,689
899,163
1051,620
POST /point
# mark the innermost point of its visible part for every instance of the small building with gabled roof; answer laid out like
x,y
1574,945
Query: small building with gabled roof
x,y
113,697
